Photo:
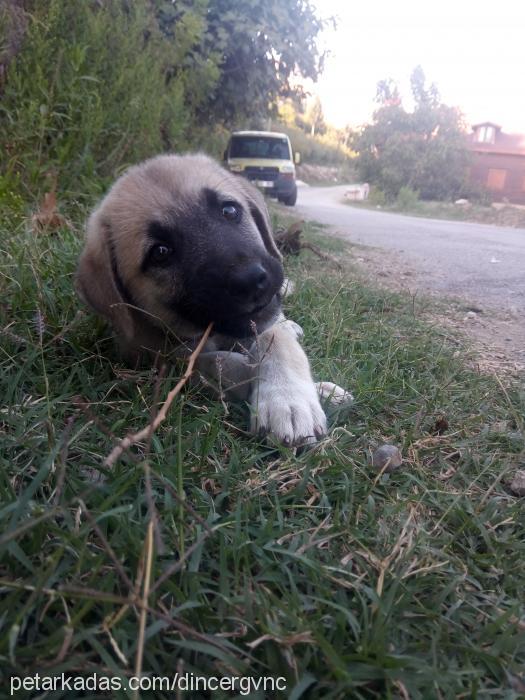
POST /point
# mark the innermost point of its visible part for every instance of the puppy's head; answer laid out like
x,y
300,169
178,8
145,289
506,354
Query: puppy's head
x,y
177,243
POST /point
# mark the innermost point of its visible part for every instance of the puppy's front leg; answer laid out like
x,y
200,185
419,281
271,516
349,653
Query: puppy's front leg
x,y
284,402
231,373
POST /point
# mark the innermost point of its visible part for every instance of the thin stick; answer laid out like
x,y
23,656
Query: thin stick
x,y
147,471
109,549
177,566
161,415
320,254
185,503
144,608
63,460
93,594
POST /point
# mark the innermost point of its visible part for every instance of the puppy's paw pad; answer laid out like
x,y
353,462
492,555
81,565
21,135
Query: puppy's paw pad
x,y
335,395
292,417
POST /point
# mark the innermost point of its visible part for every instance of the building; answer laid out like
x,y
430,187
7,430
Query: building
x,y
498,162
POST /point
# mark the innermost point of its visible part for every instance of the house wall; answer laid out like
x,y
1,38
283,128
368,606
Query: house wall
x,y
502,175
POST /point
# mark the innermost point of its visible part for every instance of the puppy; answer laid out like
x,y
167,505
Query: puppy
x,y
179,243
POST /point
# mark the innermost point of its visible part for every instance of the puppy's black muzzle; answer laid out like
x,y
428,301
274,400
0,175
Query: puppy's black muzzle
x,y
234,295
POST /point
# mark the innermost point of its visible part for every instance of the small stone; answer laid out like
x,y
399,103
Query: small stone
x,y
517,485
500,426
387,457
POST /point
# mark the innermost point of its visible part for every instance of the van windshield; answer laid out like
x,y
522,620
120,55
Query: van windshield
x,y
259,147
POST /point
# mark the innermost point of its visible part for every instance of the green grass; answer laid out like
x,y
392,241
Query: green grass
x,y
354,584
477,213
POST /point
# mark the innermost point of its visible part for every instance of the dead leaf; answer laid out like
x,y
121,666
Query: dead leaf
x,y
210,486
48,217
447,474
440,425
289,641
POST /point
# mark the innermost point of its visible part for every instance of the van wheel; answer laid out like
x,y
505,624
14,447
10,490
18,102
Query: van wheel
x,y
291,199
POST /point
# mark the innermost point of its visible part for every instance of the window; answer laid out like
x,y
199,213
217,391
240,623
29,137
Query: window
x,y
496,179
486,134
259,147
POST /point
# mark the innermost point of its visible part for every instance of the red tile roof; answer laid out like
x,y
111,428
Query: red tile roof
x,y
509,144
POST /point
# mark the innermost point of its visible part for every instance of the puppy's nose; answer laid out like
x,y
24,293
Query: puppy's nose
x,y
250,282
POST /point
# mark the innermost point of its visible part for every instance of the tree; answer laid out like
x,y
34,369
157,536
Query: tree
x,y
258,45
423,149
423,96
315,117
387,92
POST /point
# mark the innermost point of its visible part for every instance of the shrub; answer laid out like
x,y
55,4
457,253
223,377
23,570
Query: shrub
x,y
407,198
321,150
377,197
80,102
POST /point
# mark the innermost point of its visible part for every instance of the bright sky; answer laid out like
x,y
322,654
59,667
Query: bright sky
x,y
474,50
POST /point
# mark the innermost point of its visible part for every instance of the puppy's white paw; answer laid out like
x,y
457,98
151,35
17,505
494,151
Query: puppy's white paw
x,y
335,395
294,327
287,287
290,413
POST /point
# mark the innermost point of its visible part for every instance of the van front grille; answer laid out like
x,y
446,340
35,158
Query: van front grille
x,y
261,173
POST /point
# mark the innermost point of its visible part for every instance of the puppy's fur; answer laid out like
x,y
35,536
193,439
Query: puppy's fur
x,y
178,243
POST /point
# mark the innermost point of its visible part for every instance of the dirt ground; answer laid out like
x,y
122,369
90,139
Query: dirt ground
x,y
498,336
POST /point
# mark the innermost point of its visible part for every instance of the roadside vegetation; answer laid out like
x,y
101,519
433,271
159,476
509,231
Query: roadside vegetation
x,y
326,156
79,102
77,106
408,202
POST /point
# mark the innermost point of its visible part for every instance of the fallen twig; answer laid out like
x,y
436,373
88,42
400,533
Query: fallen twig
x,y
177,566
289,243
320,254
145,597
146,432
109,549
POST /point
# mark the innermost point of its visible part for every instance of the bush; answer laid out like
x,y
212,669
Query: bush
x,y
377,197
319,150
407,198
81,102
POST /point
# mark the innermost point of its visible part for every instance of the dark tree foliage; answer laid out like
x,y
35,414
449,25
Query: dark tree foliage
x,y
256,46
423,149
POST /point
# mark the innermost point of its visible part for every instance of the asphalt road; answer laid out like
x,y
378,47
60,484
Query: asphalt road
x,y
479,268
482,263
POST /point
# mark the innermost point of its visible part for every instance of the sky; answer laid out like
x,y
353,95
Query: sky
x,y
474,50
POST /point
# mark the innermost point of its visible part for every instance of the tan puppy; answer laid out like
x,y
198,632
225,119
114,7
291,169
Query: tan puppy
x,y
178,243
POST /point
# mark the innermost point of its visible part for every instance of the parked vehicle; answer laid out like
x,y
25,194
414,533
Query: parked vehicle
x,y
264,158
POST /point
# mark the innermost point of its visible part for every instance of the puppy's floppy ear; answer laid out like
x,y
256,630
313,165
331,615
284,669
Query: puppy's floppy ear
x,y
98,280
260,215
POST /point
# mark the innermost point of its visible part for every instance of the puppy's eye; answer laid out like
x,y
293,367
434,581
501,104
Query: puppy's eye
x,y
160,253
231,211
